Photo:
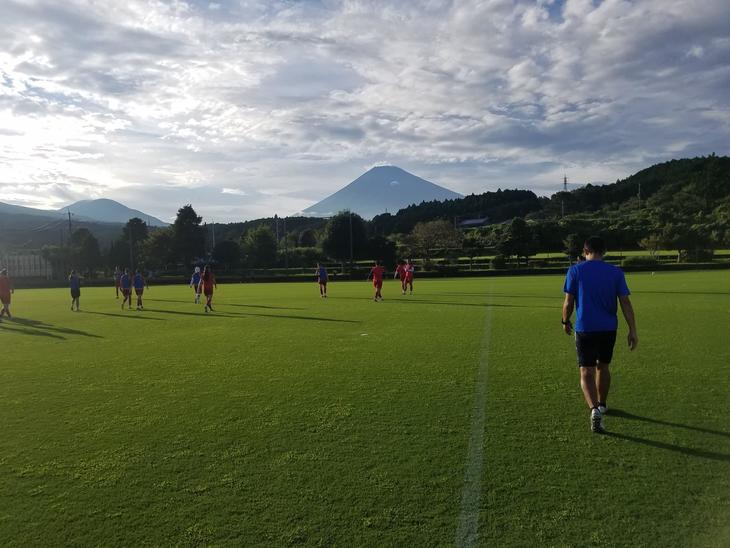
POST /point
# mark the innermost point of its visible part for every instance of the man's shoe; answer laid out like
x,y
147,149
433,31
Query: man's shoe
x,y
597,422
603,409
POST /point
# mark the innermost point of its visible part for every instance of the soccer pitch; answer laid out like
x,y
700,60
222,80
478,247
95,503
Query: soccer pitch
x,y
283,418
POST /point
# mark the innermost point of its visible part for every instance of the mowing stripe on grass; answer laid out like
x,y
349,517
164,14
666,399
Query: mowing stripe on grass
x,y
467,533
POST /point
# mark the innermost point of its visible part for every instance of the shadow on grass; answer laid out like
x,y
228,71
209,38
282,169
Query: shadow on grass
x,y
401,299
129,316
491,305
626,415
228,304
21,331
689,451
265,306
39,328
710,293
559,296
249,314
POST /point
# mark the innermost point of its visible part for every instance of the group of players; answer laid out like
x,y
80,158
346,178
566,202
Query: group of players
x,y
405,271
124,282
203,283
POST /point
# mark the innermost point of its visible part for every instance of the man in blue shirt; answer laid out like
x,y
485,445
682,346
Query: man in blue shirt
x,y
593,288
139,285
75,283
195,284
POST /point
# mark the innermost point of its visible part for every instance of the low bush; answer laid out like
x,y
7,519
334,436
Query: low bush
x,y
640,260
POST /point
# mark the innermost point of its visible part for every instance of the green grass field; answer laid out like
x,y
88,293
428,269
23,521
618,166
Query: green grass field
x,y
286,419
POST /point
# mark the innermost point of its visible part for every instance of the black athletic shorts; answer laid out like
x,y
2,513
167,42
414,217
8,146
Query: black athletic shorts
x,y
594,346
75,293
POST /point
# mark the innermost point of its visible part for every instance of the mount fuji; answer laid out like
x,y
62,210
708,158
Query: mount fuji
x,y
381,189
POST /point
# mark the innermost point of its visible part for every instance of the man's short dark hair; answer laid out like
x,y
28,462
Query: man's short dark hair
x,y
595,244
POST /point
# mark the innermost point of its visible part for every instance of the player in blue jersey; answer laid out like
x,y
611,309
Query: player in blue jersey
x,y
74,283
125,283
195,284
594,288
139,286
322,279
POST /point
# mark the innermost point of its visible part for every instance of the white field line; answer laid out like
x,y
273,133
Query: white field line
x,y
467,534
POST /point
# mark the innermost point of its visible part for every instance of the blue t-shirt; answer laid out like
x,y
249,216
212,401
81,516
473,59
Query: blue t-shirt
x,y
138,281
195,280
596,287
322,274
74,282
125,281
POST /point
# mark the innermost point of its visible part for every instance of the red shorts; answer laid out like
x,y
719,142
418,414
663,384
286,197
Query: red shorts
x,y
5,298
208,291
378,284
139,291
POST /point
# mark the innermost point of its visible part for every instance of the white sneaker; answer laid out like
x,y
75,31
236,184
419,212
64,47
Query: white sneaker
x,y
597,422
603,409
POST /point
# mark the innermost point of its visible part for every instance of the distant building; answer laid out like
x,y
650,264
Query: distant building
x,y
473,223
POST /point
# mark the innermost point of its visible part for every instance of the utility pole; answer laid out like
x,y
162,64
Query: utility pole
x,y
212,230
131,253
286,247
68,210
276,222
639,195
562,198
351,249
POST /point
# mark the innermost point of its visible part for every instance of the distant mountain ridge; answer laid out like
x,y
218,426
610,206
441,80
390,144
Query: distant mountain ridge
x,y
381,189
102,211
110,211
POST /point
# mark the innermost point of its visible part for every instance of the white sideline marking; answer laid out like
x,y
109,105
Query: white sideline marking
x,y
467,534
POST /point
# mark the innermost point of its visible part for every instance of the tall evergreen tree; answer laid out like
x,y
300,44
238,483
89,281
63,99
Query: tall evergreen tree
x,y
188,235
343,231
260,246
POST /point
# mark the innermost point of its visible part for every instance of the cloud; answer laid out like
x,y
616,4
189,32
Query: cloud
x,y
285,102
235,191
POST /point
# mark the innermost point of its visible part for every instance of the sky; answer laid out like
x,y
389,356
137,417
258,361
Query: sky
x,y
251,108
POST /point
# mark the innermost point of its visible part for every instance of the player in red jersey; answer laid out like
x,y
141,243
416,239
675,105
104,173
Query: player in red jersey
x,y
207,283
410,269
6,288
400,272
117,280
377,272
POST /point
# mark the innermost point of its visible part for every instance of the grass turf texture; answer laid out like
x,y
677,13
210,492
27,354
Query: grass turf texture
x,y
283,418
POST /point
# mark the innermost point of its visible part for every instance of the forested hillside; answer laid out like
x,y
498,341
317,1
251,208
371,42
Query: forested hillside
x,y
689,186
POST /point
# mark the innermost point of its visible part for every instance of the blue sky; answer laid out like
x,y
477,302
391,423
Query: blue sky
x,y
249,108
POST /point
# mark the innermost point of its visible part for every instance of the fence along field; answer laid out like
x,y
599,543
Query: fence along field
x,y
285,418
